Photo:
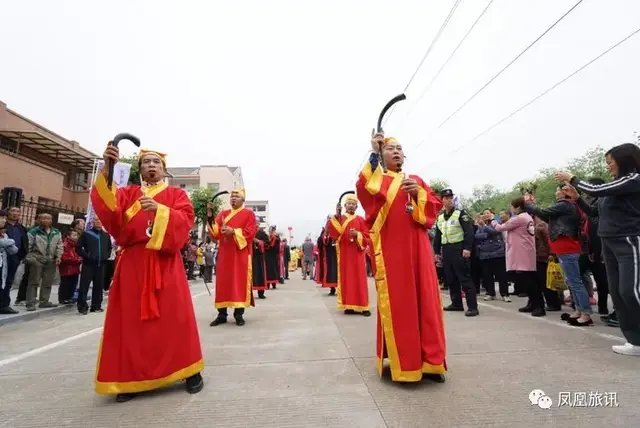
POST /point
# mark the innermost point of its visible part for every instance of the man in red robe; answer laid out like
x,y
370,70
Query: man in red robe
x,y
150,337
352,236
235,230
400,208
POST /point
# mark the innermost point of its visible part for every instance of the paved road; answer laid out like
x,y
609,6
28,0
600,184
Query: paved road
x,y
298,362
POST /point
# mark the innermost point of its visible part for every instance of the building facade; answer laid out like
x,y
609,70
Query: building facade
x,y
47,167
216,177
261,209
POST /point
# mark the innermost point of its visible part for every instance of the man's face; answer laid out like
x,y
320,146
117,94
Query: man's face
x,y
151,168
73,235
97,224
14,214
236,200
45,220
80,226
447,201
393,156
350,206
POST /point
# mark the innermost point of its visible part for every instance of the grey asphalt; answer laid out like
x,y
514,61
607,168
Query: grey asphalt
x,y
299,362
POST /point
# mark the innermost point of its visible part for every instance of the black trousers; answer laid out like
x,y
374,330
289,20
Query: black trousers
x,y
208,273
528,282
237,313
599,272
24,282
109,270
622,258
190,267
457,276
495,270
550,296
5,293
67,288
91,274
476,273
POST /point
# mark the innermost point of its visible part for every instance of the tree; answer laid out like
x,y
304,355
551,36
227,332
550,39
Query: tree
x,y
437,185
199,198
134,175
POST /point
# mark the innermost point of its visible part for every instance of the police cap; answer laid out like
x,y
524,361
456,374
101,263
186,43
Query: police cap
x,y
446,192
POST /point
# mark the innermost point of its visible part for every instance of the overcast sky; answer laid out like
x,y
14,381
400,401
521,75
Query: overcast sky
x,y
289,90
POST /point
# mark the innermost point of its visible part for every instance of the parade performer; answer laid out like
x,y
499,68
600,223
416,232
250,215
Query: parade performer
x,y
399,210
352,236
150,337
235,230
272,258
259,268
330,279
319,273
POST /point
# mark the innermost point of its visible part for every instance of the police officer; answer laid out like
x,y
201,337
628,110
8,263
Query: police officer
x,y
452,245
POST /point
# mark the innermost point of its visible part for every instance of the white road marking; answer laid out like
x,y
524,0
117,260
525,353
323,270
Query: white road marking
x,y
50,346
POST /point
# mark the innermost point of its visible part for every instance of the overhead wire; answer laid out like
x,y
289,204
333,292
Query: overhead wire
x,y
424,57
433,79
513,61
542,94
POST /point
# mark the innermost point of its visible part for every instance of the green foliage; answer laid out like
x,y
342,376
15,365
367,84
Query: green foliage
x,y
200,197
589,165
437,185
134,175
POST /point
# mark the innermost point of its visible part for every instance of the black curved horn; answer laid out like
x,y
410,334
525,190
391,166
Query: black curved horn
x,y
217,195
116,140
384,111
348,192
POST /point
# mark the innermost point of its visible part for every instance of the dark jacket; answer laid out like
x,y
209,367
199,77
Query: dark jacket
x,y
490,243
94,247
618,206
18,233
563,218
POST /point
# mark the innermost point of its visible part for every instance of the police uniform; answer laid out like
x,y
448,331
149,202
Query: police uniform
x,y
454,233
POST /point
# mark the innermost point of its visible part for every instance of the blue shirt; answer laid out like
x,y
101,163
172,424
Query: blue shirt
x,y
13,232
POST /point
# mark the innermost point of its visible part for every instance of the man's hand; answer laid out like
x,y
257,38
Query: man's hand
x,y
438,258
410,186
376,140
148,204
111,155
353,233
528,198
338,210
570,191
226,230
466,254
563,176
58,261
210,207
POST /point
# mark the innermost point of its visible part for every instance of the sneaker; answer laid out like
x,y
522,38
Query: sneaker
x,y
627,349
46,305
488,298
8,311
505,299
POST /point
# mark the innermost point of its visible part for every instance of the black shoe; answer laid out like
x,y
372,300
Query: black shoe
x,y
8,310
218,321
83,311
453,308
472,313
332,292
366,313
195,383
538,312
604,318
613,322
96,310
261,296
553,309
240,321
565,317
574,322
349,312
438,378
123,398
526,309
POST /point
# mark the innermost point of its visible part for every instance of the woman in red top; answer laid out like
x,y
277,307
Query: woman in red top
x,y
69,268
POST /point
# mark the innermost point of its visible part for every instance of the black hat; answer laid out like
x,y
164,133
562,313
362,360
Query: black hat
x,y
446,192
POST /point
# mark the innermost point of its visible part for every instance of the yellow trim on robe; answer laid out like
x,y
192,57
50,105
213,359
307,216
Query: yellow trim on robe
x,y
107,195
247,302
112,388
360,240
418,213
373,178
239,239
334,221
150,192
384,303
341,228
160,225
214,231
232,214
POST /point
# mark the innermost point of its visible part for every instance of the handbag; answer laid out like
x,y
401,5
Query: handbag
x,y
555,277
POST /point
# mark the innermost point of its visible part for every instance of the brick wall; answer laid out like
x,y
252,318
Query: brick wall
x,y
34,180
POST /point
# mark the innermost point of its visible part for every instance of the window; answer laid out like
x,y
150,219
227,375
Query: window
x,y
260,208
261,218
8,145
182,186
213,186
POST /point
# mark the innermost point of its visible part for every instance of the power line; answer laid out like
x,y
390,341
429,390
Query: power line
x,y
433,43
545,92
510,63
445,63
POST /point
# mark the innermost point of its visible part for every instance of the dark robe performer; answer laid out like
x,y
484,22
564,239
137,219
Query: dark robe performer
x,y
150,337
234,230
259,268
330,262
281,263
399,209
320,264
272,258
352,237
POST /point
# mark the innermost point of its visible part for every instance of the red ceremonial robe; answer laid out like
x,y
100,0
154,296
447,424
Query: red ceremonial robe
x,y
234,271
150,337
410,322
353,287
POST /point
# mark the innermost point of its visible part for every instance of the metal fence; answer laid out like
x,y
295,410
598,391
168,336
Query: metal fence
x,y
30,209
